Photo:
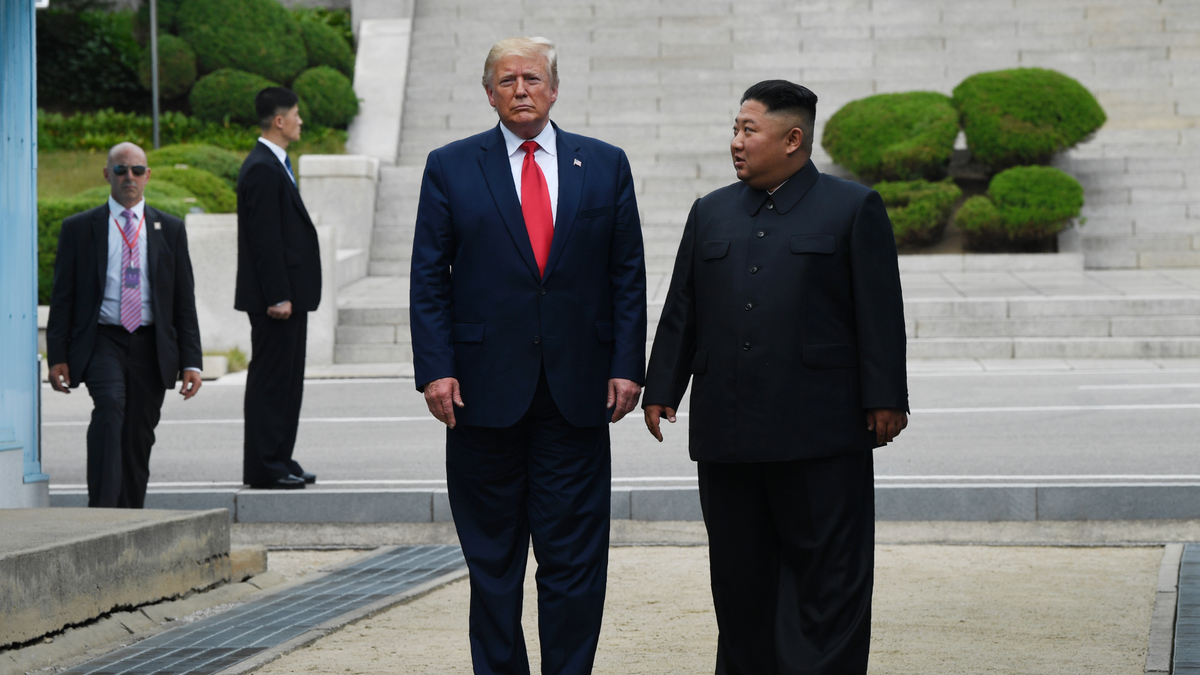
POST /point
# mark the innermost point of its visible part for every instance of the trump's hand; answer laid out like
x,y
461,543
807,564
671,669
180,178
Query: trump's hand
x,y
623,396
441,396
191,384
60,377
887,423
653,414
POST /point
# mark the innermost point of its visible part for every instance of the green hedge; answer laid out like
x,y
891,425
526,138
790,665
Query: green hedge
x,y
88,60
1025,115
227,94
176,67
213,194
326,47
918,209
329,96
155,192
212,159
894,137
257,36
1029,203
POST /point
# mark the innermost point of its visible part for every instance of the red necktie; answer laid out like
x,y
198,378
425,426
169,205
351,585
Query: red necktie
x,y
535,206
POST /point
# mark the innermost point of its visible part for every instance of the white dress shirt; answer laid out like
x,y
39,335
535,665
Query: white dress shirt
x,y
280,154
110,308
546,157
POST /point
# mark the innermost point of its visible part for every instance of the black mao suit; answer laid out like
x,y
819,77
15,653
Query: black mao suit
x,y
279,259
127,374
785,313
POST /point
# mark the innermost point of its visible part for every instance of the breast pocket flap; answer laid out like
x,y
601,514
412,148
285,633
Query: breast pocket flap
x,y
467,332
813,243
711,250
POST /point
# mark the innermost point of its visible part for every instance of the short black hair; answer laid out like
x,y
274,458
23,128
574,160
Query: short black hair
x,y
783,97
270,101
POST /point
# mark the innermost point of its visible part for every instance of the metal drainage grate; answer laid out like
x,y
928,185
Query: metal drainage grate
x,y
1187,614
218,642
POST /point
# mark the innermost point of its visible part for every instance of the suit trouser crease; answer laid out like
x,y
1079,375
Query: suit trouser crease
x,y
127,393
550,481
791,548
274,396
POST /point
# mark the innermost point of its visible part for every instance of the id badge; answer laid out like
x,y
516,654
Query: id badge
x,y
133,277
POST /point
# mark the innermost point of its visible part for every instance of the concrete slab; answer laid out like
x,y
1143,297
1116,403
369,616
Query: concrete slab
x,y
334,506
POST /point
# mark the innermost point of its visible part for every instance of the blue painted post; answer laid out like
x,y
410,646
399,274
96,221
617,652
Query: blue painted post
x,y
22,482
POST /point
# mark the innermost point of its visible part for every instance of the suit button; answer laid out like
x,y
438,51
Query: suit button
x,y
754,270
749,306
537,339
760,234
746,346
541,291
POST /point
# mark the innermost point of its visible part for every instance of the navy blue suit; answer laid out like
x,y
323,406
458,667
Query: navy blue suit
x,y
533,356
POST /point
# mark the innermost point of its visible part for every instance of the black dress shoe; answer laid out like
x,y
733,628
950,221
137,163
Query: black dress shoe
x,y
309,478
285,483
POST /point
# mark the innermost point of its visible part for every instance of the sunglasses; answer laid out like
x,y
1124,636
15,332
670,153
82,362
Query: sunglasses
x,y
137,170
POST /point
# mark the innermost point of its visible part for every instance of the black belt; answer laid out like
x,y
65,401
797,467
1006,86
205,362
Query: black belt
x,y
141,330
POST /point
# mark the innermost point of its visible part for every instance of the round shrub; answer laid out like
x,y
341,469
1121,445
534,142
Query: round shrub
x,y
329,96
1028,204
227,94
176,67
257,36
326,47
977,217
1024,116
213,194
223,163
918,209
894,136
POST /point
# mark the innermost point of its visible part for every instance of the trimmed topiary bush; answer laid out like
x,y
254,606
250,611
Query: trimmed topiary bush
x,y
326,47
1024,116
329,96
1029,203
227,94
918,209
176,67
257,36
213,194
894,136
156,192
222,163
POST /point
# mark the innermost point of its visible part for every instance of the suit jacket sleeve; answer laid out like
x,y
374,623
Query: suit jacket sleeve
x,y
627,271
62,299
431,304
264,230
675,341
186,324
878,307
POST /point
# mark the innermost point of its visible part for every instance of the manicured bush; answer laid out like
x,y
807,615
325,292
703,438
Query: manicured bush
x,y
326,47
227,94
1024,116
1030,204
256,36
105,128
212,192
88,60
156,192
214,160
337,19
894,137
329,96
978,216
176,67
918,209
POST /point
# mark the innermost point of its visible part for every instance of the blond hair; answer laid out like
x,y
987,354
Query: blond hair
x,y
527,47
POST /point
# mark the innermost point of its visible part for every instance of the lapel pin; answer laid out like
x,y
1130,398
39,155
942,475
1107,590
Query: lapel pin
x,y
157,225
578,163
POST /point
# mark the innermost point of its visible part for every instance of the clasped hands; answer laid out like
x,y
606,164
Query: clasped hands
x,y
887,423
442,396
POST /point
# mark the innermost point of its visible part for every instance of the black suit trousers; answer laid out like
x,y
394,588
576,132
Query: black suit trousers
x,y
127,393
546,479
791,554
274,393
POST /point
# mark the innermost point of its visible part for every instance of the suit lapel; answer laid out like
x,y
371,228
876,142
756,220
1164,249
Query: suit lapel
x,y
571,171
154,247
100,238
498,173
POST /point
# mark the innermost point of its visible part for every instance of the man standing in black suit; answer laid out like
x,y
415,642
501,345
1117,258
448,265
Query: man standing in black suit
x,y
123,320
786,314
278,284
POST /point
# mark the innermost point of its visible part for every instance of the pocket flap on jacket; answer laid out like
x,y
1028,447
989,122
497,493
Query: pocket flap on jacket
x,y
830,356
594,213
814,243
700,362
711,250
467,332
604,331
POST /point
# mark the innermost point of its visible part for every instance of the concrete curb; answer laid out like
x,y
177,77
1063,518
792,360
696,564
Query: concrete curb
x,y
1159,653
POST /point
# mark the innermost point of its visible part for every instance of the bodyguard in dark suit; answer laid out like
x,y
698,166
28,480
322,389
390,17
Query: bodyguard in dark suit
x,y
123,320
528,316
785,313
278,284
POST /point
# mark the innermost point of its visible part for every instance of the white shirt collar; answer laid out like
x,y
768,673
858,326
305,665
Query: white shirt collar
x,y
279,152
546,139
139,209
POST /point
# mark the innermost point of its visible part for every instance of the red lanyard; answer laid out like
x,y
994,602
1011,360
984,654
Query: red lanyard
x,y
135,234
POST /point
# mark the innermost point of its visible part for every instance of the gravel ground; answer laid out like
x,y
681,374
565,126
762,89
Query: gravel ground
x,y
938,609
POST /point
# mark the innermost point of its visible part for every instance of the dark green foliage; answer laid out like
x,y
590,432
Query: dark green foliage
x,y
227,94
326,47
51,213
156,192
1029,203
176,67
212,192
918,209
894,136
256,36
103,129
329,95
1024,115
168,17
222,163
88,60
978,215
337,19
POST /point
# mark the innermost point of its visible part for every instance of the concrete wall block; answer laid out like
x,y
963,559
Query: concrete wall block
x,y
1022,262
1169,180
1085,306
388,268
976,308
990,504
1166,228
212,246
1107,260
358,353
1106,227
1168,259
193,500
664,503
1156,326
1106,348
622,504
1139,212
1164,196
972,328
366,335
1143,243
342,506
958,348
1118,502
442,512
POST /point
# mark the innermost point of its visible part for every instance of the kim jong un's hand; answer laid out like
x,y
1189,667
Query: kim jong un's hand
x,y
623,396
655,413
887,423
